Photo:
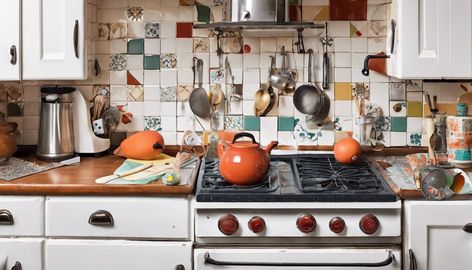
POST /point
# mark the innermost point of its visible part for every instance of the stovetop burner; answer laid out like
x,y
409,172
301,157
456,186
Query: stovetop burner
x,y
299,178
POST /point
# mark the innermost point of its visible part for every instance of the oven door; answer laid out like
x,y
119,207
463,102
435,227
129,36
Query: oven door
x,y
299,259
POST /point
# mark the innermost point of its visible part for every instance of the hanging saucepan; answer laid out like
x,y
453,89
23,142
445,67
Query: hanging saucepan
x,y
309,99
244,162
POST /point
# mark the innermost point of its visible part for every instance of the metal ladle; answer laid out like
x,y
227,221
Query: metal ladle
x,y
199,101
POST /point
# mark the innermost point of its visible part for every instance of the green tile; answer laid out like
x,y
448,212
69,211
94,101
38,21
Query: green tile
x,y
252,123
152,62
136,46
204,14
398,124
286,123
414,109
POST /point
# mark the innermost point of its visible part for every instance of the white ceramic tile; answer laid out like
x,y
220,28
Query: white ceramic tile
x,y
342,74
152,46
152,92
286,107
118,77
136,30
185,45
185,76
379,96
118,46
342,60
134,61
168,29
185,60
268,44
183,109
251,61
185,123
118,93
254,44
235,60
377,77
168,45
397,138
342,44
251,76
168,77
249,90
168,108
343,107
339,28
414,124
248,107
170,137
169,123
151,108
136,108
376,45
152,77
286,138
402,112
357,60
236,108
268,130
359,45
185,14
357,75
327,137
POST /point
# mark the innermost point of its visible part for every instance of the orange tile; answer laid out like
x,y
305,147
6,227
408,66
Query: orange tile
x,y
342,91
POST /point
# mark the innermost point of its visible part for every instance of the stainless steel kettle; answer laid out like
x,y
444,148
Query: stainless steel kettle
x,y
56,131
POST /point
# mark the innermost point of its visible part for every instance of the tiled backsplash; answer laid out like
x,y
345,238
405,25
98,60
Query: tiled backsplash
x,y
146,47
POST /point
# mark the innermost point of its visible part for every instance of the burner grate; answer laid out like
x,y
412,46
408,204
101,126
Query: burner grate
x,y
325,174
212,180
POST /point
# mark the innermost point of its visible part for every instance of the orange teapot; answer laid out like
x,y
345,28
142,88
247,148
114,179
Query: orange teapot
x,y
244,162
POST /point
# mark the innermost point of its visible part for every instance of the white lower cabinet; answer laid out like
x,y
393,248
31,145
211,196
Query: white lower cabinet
x,y
21,253
116,255
438,235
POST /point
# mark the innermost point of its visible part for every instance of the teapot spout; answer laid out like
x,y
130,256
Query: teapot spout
x,y
270,146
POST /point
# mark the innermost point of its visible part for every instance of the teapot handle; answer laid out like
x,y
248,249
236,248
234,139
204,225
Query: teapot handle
x,y
242,135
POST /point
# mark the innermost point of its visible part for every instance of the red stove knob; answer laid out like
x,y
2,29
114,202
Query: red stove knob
x,y
306,223
256,224
369,224
228,224
337,225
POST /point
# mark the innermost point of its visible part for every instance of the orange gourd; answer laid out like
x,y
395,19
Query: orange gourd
x,y
144,145
347,151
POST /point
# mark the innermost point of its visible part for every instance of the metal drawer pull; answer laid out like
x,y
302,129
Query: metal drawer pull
x,y
387,261
14,55
76,39
467,228
17,266
180,267
6,218
412,259
101,218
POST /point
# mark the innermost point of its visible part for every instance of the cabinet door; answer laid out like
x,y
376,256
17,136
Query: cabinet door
x,y
434,233
10,41
434,39
24,252
117,255
53,38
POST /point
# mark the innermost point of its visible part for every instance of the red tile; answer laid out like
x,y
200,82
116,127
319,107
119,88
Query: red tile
x,y
184,29
131,80
348,10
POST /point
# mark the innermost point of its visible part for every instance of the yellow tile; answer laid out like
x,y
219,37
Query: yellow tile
x,y
342,91
414,109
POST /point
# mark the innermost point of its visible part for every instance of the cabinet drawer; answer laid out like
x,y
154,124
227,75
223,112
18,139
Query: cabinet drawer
x,y
21,215
152,218
23,252
117,255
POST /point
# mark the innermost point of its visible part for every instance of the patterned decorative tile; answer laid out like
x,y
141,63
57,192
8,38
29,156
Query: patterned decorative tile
x,y
103,31
252,123
135,93
131,79
168,60
135,13
217,76
118,30
361,89
358,29
397,108
382,124
343,123
168,94
184,30
183,92
201,45
117,62
302,134
414,139
234,122
152,62
152,123
152,30
378,29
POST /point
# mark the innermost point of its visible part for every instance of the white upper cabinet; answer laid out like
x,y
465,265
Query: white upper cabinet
x,y
10,41
53,38
438,235
432,39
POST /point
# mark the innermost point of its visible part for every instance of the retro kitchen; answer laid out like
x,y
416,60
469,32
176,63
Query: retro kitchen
x,y
235,134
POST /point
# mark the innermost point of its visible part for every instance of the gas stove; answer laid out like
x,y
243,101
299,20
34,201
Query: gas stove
x,y
299,178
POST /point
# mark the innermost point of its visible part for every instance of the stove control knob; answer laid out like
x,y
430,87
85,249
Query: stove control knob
x,y
228,224
369,224
256,224
306,223
337,225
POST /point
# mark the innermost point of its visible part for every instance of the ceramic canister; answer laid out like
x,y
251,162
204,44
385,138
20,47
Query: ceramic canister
x,y
459,135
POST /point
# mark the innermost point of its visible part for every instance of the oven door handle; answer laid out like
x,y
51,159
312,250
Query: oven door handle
x,y
389,260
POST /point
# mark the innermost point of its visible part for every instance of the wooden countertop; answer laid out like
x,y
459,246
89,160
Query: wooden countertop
x,y
80,180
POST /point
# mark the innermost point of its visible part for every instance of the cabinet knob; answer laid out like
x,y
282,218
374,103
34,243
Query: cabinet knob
x,y
13,54
467,228
6,218
101,218
17,266
180,267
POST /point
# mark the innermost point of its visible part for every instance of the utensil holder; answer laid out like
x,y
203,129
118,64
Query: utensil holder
x,y
363,128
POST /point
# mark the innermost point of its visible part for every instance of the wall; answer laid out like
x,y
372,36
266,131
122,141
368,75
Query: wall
x,y
145,49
